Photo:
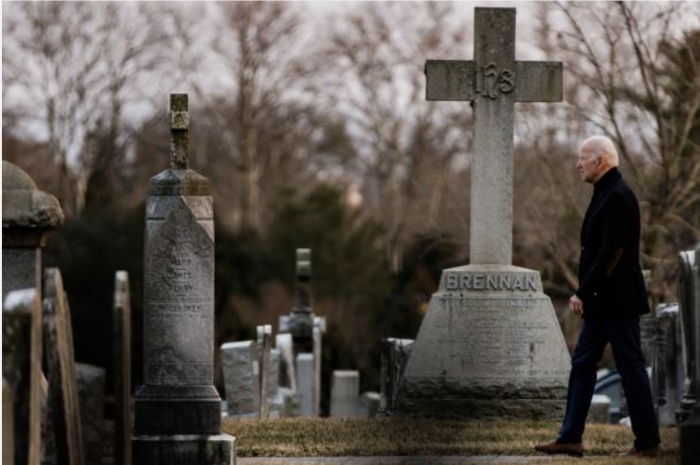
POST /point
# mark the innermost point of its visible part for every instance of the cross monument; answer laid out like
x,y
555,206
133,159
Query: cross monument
x,y
490,346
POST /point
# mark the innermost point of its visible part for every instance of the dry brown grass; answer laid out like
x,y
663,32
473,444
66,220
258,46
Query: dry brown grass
x,y
391,437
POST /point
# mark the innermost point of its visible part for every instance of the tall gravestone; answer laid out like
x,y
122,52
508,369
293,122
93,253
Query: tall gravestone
x,y
689,430
121,367
178,410
21,370
490,345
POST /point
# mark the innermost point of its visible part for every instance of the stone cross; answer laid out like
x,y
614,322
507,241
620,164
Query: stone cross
x,y
493,81
179,132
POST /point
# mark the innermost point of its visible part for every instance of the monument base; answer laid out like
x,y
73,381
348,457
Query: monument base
x,y
177,410
490,347
184,450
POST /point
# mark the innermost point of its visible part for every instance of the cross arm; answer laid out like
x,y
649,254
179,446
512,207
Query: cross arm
x,y
455,80
538,81
450,80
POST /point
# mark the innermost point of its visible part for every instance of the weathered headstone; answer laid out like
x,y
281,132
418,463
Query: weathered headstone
x,y
689,430
345,393
90,381
288,377
121,366
273,390
686,307
490,345
28,214
241,367
668,369
8,424
317,357
394,357
369,404
21,369
274,374
59,361
264,347
600,409
647,324
178,410
305,382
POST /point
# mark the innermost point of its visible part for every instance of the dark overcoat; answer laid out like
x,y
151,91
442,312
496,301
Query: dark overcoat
x,y
611,284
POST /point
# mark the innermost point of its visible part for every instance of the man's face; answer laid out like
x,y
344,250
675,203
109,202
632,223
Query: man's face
x,y
588,165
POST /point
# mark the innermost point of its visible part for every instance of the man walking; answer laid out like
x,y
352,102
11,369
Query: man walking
x,y
610,298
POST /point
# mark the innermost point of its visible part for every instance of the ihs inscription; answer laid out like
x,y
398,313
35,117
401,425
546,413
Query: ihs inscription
x,y
491,82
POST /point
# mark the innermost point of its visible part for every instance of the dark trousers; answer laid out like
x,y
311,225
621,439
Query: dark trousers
x,y
624,337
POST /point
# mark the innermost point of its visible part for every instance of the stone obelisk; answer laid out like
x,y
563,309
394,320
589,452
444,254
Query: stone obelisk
x,y
490,345
178,409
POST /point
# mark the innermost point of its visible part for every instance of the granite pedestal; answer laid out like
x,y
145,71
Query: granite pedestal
x,y
490,347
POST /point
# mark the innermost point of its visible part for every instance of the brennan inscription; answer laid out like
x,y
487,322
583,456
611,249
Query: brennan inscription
x,y
490,282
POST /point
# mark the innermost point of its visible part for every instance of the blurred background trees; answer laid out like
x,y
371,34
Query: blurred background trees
x,y
313,128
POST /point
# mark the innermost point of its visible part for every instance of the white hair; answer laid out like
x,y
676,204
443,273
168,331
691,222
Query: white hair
x,y
601,146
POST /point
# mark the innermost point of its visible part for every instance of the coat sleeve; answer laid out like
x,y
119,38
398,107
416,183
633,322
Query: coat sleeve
x,y
615,221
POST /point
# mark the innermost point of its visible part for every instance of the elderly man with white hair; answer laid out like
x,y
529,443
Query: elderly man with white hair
x,y
610,298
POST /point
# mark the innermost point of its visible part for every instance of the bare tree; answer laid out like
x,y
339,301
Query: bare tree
x,y
370,72
69,72
256,45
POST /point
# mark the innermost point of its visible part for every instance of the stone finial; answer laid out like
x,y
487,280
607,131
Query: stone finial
x,y
179,132
24,205
304,264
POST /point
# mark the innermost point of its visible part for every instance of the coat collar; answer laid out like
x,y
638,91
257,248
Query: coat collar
x,y
613,175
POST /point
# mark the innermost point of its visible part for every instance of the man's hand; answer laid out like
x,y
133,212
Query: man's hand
x,y
576,305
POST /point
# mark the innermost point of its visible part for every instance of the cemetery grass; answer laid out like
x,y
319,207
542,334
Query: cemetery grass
x,y
293,437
